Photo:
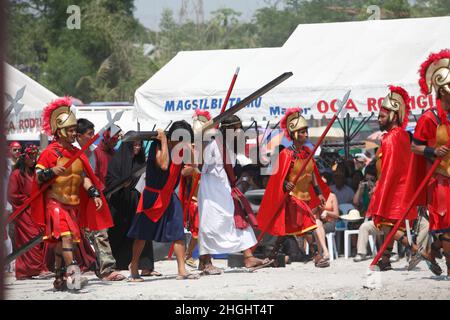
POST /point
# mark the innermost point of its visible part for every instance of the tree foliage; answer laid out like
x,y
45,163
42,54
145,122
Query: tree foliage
x,y
104,59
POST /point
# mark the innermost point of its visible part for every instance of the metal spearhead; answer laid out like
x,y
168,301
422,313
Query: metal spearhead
x,y
342,111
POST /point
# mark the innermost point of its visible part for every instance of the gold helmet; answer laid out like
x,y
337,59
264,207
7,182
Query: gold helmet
x,y
57,115
397,102
293,121
435,73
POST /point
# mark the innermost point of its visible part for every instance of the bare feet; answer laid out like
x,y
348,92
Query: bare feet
x,y
252,261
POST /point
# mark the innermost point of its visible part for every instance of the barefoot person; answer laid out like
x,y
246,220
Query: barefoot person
x,y
73,201
159,215
296,216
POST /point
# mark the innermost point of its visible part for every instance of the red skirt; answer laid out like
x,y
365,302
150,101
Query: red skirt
x,y
299,218
63,221
439,204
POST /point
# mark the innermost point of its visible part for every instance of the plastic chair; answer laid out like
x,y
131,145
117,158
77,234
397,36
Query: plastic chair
x,y
347,242
331,244
373,245
341,225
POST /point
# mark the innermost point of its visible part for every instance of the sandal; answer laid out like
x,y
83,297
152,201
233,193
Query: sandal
x,y
191,263
135,278
386,264
322,263
265,263
73,280
60,283
114,276
414,260
189,276
257,262
211,270
432,265
150,273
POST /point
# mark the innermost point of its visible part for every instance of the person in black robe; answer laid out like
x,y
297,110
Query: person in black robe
x,y
129,159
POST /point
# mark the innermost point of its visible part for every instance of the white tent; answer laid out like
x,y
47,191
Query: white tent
x,y
24,100
326,59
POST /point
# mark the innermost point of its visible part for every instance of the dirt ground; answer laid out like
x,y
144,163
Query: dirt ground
x,y
343,280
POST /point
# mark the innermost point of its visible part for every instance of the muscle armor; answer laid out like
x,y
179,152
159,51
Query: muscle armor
x,y
65,188
301,189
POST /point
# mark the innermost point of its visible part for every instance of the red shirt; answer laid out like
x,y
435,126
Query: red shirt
x,y
102,157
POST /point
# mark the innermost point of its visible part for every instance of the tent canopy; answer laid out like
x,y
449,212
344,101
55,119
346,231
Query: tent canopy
x,y
327,60
24,101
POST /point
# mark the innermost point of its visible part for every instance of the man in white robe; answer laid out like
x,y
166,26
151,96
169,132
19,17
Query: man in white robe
x,y
217,232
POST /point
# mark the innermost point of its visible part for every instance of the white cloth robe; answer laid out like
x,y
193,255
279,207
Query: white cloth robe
x,y
217,231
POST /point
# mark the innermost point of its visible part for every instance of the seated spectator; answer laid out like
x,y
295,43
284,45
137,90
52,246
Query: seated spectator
x,y
364,191
343,192
326,218
361,161
356,179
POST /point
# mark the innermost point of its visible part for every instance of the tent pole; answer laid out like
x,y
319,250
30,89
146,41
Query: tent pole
x,y
347,136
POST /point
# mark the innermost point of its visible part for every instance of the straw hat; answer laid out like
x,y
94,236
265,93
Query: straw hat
x,y
353,215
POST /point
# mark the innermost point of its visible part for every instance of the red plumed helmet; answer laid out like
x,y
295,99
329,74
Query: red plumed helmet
x,y
430,69
405,96
57,115
292,121
202,113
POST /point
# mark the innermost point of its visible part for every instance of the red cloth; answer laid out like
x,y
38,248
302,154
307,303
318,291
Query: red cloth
x,y
102,158
439,206
299,217
190,210
161,204
425,131
31,263
386,201
435,196
63,220
274,195
88,216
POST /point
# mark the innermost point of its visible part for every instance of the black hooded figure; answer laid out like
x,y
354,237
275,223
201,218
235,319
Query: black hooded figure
x,y
123,204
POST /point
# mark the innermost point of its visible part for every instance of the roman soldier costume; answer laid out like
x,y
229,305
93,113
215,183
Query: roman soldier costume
x,y
66,206
392,161
296,216
433,131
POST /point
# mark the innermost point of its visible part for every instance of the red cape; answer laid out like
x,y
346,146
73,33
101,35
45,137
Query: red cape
x,y
425,132
390,189
274,194
88,217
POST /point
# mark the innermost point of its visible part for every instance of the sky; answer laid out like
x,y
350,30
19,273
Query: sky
x,y
148,12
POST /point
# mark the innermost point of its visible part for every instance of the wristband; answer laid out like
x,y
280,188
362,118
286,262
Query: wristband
x,y
45,175
429,153
93,192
